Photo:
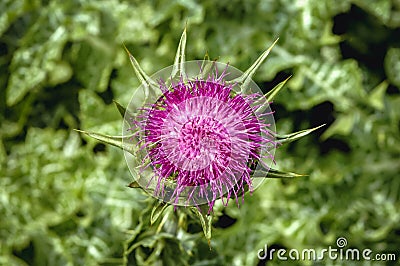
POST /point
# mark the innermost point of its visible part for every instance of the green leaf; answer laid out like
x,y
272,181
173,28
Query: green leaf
x,y
33,64
94,63
134,184
271,173
121,109
376,96
141,75
274,173
97,116
179,62
294,136
318,80
205,220
381,9
158,209
246,78
122,142
342,125
125,113
392,65
271,94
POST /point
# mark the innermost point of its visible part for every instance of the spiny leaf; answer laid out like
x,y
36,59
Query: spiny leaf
x,y
205,221
295,136
271,94
122,142
121,109
134,184
206,67
125,113
158,209
179,62
206,57
245,79
142,76
168,223
268,97
273,173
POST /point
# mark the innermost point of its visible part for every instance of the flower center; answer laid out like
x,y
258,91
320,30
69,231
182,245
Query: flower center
x,y
194,135
203,140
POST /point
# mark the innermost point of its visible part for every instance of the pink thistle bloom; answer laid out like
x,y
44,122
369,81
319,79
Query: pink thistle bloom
x,y
191,136
203,138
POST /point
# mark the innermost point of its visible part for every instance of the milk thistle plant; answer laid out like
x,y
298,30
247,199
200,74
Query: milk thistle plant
x,y
197,132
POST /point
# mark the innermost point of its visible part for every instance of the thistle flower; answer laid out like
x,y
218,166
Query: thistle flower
x,y
199,131
203,136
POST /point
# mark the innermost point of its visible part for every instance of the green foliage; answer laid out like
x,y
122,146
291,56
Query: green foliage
x,y
63,196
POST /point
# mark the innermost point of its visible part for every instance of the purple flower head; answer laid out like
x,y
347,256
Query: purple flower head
x,y
199,131
200,136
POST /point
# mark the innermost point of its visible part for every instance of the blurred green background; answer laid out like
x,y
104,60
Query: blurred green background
x,y
63,197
